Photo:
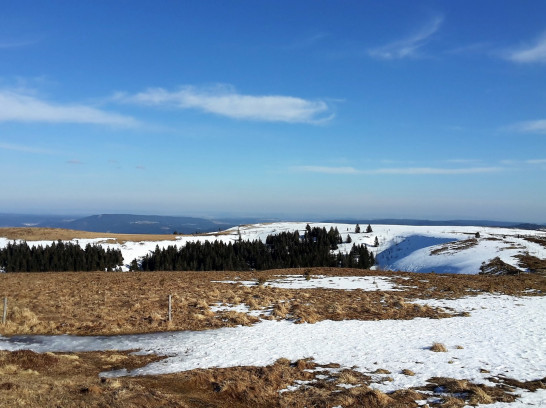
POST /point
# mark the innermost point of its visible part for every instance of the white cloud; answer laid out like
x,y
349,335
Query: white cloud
x,y
399,170
434,170
21,107
306,41
327,170
531,126
536,161
6,44
407,47
535,53
224,100
26,149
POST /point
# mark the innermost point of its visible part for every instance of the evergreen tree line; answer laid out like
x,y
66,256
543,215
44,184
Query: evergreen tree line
x,y
58,257
284,250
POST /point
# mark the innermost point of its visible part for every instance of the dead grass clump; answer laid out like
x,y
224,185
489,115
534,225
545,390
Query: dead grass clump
x,y
438,348
280,310
237,318
408,372
349,377
22,316
462,392
479,396
375,398
455,246
252,304
532,263
498,267
532,385
27,359
407,397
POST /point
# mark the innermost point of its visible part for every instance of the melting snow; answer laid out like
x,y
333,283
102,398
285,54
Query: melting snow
x,y
366,283
503,334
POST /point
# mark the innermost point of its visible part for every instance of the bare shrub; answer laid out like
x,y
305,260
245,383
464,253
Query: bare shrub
x,y
438,348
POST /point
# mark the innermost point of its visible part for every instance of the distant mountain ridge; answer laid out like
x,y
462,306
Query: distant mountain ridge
x,y
124,223
160,224
454,223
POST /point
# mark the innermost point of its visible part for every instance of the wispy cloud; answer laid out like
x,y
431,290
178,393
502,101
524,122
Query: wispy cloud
x,y
22,107
327,169
399,170
224,100
531,126
26,149
536,161
529,54
306,42
7,44
74,162
463,161
409,46
470,49
434,170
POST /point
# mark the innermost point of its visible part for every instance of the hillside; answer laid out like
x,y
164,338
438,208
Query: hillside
x,y
441,249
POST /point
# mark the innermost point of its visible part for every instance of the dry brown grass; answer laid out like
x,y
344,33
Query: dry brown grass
x,y
498,267
29,379
438,348
459,393
54,234
532,263
136,302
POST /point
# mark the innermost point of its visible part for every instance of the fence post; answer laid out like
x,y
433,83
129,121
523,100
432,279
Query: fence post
x,y
5,313
170,308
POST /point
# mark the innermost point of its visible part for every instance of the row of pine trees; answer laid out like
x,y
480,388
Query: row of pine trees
x,y
58,257
285,250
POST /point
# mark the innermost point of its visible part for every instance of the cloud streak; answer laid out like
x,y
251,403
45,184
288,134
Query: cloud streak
x,y
327,170
224,100
399,170
407,47
530,126
26,149
434,170
21,107
529,54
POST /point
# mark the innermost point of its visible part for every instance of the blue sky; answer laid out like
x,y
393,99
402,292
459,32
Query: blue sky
x,y
422,109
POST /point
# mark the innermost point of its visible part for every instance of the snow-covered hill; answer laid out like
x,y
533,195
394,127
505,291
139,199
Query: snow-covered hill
x,y
449,249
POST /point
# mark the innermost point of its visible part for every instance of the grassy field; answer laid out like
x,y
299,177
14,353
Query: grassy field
x,y
105,303
54,234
